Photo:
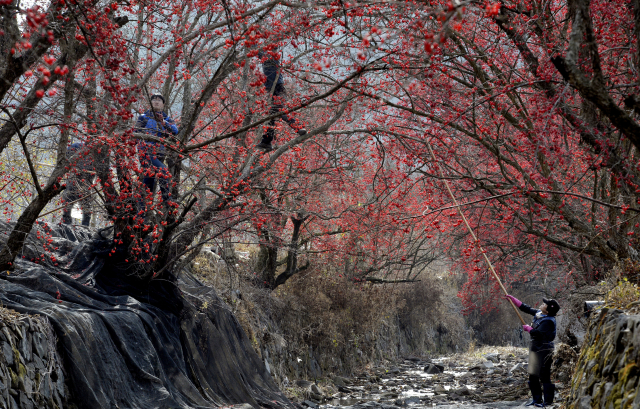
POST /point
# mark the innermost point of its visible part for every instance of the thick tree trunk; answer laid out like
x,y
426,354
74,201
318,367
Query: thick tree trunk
x,y
267,259
292,257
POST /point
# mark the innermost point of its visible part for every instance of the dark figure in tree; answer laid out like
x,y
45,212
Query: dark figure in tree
x,y
78,182
543,332
155,122
275,87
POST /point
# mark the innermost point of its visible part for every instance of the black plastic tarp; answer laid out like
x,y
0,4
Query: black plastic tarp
x,y
167,345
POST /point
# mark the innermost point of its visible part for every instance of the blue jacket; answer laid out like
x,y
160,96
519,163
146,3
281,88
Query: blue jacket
x,y
147,123
544,329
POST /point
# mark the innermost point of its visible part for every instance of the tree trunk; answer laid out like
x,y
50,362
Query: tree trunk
x,y
292,256
267,259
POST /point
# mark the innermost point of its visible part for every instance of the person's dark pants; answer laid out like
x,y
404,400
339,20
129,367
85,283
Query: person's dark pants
x,y
543,378
277,101
73,192
153,169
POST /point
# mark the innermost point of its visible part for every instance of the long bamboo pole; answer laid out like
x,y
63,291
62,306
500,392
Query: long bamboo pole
x,y
475,239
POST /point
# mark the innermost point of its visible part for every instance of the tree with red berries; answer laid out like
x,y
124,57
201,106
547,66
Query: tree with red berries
x,y
529,108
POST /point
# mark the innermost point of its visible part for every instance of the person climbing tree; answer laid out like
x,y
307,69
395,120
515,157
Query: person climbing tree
x,y
543,332
77,184
152,154
275,87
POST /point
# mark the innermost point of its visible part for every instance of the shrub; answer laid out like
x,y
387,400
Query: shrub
x,y
622,294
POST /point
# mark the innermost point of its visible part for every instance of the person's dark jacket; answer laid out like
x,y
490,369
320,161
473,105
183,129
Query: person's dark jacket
x,y
544,329
80,158
147,123
273,71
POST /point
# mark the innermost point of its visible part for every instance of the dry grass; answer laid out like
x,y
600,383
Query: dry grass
x,y
622,295
341,324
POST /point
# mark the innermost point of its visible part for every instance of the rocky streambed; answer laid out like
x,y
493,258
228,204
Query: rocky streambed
x,y
496,379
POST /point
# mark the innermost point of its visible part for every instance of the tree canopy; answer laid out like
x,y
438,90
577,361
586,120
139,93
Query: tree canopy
x,y
530,108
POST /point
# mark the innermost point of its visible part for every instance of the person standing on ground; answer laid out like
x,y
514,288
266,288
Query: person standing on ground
x,y
78,182
152,154
543,332
275,87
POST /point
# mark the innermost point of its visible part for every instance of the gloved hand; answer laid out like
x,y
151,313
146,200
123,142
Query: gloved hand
x,y
514,300
160,119
527,328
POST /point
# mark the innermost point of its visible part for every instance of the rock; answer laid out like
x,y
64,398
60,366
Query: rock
x,y
439,389
27,385
58,400
563,377
584,403
488,364
412,400
7,335
466,375
310,404
7,351
517,368
45,387
389,395
25,402
463,391
474,368
340,381
303,384
316,397
495,358
315,393
60,381
399,402
394,371
38,363
433,369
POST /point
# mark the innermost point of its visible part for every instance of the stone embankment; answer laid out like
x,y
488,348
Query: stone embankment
x,y
30,372
608,370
